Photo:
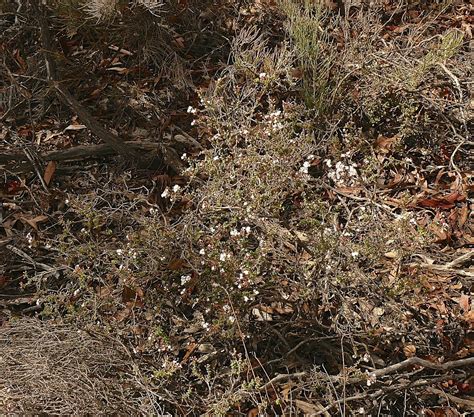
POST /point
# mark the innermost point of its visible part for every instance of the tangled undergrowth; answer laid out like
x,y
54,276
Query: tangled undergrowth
x,y
305,247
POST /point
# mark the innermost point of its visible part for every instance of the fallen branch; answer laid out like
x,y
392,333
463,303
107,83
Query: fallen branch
x,y
461,401
79,152
282,377
391,389
66,97
415,361
93,124
450,267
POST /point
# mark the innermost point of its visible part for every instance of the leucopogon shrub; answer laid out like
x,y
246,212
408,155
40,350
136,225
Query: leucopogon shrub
x,y
253,224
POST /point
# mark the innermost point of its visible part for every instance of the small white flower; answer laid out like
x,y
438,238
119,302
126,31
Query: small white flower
x,y
202,252
185,279
262,75
355,254
193,123
165,193
66,201
304,168
176,188
222,256
371,378
216,158
119,252
184,157
191,110
234,232
352,171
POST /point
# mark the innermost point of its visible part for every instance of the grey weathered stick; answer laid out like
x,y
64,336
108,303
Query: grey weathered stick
x,y
66,97
447,366
78,152
92,123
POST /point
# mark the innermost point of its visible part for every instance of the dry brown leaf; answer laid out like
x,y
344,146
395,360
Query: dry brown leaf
x,y
176,264
261,315
34,221
469,318
409,350
463,213
384,144
49,172
281,308
189,351
76,127
464,302
349,190
122,314
310,409
253,412
442,202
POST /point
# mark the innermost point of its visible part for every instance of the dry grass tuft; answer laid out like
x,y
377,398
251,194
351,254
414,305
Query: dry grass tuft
x,y
55,369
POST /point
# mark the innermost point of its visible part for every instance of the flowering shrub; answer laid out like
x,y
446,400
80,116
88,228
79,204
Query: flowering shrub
x,y
287,241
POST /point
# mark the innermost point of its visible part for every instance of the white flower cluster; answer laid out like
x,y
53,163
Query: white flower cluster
x,y
307,164
30,239
243,231
224,256
343,173
185,279
274,121
371,378
242,278
168,193
130,254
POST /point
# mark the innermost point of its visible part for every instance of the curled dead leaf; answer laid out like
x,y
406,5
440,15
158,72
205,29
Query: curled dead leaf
x,y
49,172
391,255
409,351
261,315
34,221
384,144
